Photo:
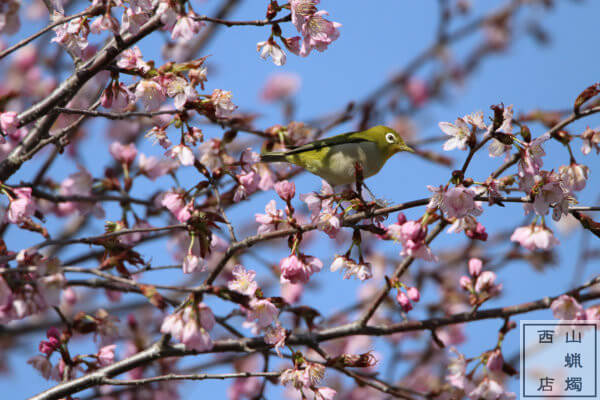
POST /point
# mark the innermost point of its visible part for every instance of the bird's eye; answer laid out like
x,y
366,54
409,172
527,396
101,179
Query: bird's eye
x,y
390,137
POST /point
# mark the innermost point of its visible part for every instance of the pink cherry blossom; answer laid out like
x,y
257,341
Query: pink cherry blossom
x,y
318,33
486,283
271,49
105,22
460,133
191,326
574,176
362,271
296,269
133,19
591,140
9,122
459,202
131,58
209,153
329,220
21,207
181,153
325,393
243,281
275,336
495,361
567,308
457,371
290,292
244,388
280,86
272,220
168,15
531,161
296,377
106,355
412,236
466,283
260,314
150,93
175,202
490,389
72,35
413,294
534,237
125,154
117,97
404,301
292,44
248,184
417,91
154,167
286,190
475,267
78,184
182,91
224,107
301,10
186,27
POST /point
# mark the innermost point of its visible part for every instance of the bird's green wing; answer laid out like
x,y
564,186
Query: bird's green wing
x,y
350,137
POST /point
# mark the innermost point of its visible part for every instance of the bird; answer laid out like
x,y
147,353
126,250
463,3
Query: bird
x,y
335,158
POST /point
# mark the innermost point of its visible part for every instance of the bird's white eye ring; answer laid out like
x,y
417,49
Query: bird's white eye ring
x,y
390,137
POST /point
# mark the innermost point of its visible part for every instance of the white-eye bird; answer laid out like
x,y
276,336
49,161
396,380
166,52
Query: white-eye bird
x,y
334,159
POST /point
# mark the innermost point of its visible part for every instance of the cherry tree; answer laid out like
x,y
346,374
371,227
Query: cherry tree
x,y
118,151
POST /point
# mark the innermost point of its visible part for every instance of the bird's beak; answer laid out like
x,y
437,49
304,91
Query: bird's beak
x,y
404,147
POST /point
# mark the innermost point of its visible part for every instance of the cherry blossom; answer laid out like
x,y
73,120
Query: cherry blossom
x,y
106,355
574,176
150,93
175,202
191,326
181,153
9,122
271,49
298,269
224,107
186,27
125,154
272,220
460,133
534,237
280,86
132,59
243,281
285,189
318,33
154,167
567,308
591,140
21,206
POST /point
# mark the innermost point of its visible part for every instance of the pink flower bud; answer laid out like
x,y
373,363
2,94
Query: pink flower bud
x,y
465,283
413,294
495,361
401,218
404,301
9,122
475,266
125,154
285,189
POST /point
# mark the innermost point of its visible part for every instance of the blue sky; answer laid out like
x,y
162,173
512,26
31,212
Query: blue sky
x,y
376,41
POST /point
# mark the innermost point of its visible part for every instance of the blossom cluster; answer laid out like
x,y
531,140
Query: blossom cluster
x,y
316,32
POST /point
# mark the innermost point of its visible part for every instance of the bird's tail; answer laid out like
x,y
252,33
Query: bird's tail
x,y
274,156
